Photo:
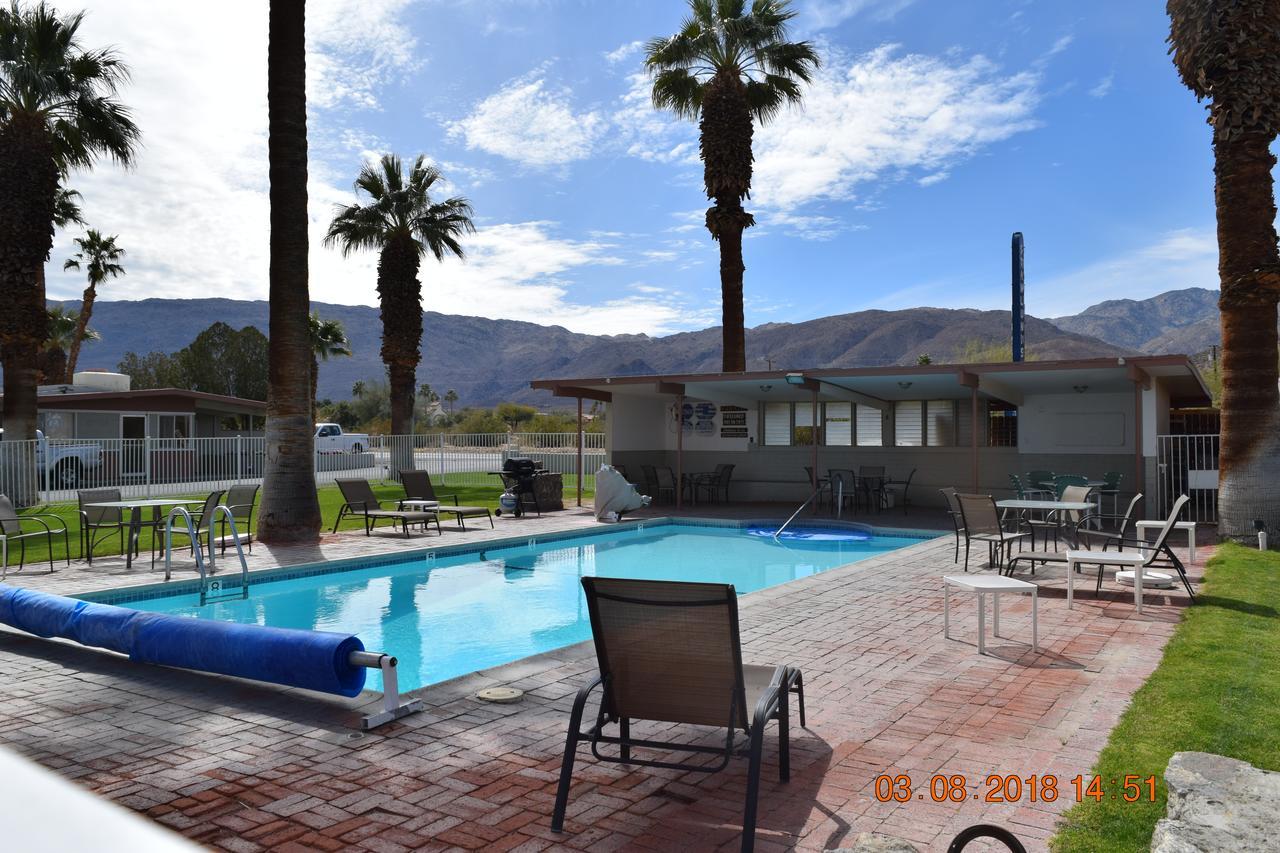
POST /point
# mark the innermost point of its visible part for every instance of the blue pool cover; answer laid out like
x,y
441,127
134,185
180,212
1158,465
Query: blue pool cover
x,y
313,660
812,534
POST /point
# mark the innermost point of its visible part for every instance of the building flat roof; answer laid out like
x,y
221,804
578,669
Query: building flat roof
x,y
51,397
1008,381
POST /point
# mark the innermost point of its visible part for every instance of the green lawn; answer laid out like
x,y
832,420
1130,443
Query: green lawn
x,y
330,502
1215,690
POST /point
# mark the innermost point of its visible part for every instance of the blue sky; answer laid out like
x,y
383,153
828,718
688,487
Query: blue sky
x,y
934,130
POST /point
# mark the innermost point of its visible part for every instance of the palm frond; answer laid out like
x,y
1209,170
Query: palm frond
x,y
679,91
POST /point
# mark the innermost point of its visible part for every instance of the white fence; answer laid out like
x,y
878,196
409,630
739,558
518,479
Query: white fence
x,y
1188,464
52,471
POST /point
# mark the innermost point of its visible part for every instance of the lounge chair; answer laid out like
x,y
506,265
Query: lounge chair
x,y
417,487
981,522
1148,555
240,501
99,519
669,652
359,500
11,526
1115,537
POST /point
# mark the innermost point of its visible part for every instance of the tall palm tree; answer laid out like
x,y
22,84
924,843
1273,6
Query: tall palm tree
x,y
100,257
58,112
1229,53
404,223
729,67
328,338
290,505
450,397
357,388
65,329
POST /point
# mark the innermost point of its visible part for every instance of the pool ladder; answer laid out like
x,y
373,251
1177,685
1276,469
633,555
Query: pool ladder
x,y
209,586
799,510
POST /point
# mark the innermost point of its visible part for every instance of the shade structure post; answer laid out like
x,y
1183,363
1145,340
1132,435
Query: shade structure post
x,y
680,451
973,435
1139,478
813,453
579,451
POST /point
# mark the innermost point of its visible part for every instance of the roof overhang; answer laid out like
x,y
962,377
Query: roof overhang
x,y
879,387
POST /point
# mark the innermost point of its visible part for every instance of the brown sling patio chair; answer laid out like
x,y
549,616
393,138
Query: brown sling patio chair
x,y
417,487
359,499
669,652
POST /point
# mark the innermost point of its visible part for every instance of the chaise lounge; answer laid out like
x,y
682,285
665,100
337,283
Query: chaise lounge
x,y
417,487
359,500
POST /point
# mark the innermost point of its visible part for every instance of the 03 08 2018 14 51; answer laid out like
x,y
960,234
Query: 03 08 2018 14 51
x,y
1010,788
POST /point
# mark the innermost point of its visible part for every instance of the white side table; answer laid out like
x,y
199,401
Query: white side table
x,y
1189,526
420,506
981,584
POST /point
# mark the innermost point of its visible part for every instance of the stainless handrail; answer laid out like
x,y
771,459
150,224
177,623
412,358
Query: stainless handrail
x,y
235,538
168,543
199,551
799,510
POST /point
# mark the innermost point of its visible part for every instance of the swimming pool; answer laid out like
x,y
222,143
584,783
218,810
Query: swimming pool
x,y
445,616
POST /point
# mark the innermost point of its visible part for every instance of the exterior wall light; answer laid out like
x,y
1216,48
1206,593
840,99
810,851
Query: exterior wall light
x,y
795,378
766,388
1080,389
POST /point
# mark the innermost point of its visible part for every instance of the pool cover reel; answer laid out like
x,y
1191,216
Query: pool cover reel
x,y
312,660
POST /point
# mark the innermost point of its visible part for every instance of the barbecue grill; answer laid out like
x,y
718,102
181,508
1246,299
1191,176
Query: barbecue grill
x,y
518,476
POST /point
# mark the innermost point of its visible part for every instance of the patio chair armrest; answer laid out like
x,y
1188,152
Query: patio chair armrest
x,y
39,518
456,502
767,704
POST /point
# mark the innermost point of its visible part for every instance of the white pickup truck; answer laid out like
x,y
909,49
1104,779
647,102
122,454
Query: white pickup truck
x,y
331,439
64,464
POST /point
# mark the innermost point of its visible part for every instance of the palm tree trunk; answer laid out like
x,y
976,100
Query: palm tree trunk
x,y
290,508
726,131
315,380
400,297
28,188
82,324
1249,268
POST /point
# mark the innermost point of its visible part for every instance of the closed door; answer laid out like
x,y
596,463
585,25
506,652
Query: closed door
x,y
133,429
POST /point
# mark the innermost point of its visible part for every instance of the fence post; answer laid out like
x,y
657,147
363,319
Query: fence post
x,y
239,459
146,463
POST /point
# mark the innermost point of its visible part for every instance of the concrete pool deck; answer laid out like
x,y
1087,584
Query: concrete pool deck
x,y
240,766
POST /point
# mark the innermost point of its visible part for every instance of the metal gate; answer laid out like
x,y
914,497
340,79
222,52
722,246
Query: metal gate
x,y
1188,464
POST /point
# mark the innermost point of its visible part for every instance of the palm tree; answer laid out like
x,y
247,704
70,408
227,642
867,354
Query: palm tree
x,y
357,389
1229,53
290,505
425,392
729,67
328,338
403,223
64,329
100,257
450,397
58,112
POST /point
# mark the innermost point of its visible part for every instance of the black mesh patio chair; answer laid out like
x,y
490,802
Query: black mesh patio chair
x,y
1062,481
649,480
359,500
1035,520
1111,489
905,485
240,500
871,483
669,652
982,523
202,521
94,520
46,526
717,486
417,487
665,483
823,485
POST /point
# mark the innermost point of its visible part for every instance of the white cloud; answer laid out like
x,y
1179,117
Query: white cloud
x,y
882,114
623,52
824,14
1186,257
650,134
527,122
356,46
1103,86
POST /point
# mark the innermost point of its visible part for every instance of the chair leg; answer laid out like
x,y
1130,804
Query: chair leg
x,y
566,766
753,787
624,732
341,512
966,555
784,735
798,689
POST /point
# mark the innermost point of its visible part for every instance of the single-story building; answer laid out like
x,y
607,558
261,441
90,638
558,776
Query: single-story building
x,y
101,405
962,425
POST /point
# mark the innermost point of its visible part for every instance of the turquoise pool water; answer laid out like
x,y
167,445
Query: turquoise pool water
x,y
454,615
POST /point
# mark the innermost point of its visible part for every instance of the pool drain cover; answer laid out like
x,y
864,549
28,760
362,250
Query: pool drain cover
x,y
500,695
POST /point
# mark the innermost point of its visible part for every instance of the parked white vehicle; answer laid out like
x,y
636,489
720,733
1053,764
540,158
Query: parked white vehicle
x,y
64,464
331,439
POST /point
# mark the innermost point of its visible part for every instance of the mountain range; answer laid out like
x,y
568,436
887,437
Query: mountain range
x,y
488,361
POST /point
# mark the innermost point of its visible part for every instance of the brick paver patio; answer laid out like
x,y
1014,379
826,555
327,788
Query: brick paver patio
x,y
246,767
